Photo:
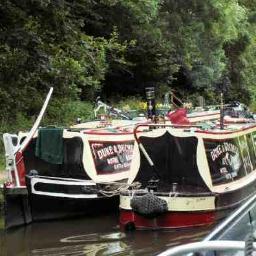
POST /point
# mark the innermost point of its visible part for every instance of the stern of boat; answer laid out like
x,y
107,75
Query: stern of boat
x,y
162,210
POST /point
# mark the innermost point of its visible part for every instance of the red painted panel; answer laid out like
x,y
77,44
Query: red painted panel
x,y
167,220
185,219
21,168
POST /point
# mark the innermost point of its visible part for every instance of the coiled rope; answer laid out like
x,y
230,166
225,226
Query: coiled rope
x,y
115,188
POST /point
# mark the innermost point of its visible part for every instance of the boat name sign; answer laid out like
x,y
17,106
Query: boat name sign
x,y
231,159
110,157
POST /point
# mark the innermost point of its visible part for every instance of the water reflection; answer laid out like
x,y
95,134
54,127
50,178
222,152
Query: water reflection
x,y
115,248
91,237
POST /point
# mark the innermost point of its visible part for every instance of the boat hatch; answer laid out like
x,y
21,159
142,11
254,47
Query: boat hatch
x,y
72,165
174,159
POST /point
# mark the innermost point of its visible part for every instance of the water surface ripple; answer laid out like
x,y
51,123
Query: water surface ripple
x,y
98,236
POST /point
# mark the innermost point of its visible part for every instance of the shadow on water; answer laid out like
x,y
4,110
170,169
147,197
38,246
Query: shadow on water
x,y
91,237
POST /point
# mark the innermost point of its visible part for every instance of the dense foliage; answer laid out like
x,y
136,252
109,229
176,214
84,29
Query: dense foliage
x,y
118,47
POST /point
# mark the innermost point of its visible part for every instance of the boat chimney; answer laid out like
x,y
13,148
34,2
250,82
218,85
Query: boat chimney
x,y
151,104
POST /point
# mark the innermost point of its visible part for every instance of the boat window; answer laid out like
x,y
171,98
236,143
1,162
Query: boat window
x,y
230,159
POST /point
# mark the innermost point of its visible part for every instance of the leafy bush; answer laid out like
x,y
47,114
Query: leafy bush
x,y
65,112
131,103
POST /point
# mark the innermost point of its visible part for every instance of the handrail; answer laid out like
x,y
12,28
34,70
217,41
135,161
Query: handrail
x,y
173,96
236,215
206,246
198,246
110,108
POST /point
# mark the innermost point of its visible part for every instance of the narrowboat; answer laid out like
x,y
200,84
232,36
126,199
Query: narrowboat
x,y
62,172
190,175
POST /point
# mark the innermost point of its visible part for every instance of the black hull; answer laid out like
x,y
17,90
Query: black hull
x,y
21,208
233,199
49,208
16,208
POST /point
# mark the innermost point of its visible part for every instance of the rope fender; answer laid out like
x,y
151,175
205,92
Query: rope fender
x,y
149,205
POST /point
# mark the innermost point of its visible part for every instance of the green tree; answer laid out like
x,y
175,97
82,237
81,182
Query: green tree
x,y
43,44
199,30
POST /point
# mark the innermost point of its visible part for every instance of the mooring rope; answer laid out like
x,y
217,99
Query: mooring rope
x,y
115,188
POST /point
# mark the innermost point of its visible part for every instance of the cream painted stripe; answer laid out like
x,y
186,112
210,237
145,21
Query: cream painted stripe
x,y
202,164
89,182
234,134
231,186
178,203
35,180
63,195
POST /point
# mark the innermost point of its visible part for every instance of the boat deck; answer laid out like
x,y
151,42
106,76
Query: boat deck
x,y
172,190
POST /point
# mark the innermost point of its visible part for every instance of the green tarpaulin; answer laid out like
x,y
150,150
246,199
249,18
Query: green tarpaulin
x,y
49,145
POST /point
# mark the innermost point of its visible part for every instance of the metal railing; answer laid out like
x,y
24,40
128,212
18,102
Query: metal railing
x,y
209,243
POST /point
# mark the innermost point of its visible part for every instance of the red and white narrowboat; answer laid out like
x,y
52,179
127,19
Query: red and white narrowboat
x,y
190,176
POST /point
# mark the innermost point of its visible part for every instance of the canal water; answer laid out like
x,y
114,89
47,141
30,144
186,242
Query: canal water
x,y
94,236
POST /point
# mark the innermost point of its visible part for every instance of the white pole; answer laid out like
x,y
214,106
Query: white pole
x,y
36,124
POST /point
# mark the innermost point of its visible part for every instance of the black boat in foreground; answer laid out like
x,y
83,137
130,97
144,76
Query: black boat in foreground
x,y
56,173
